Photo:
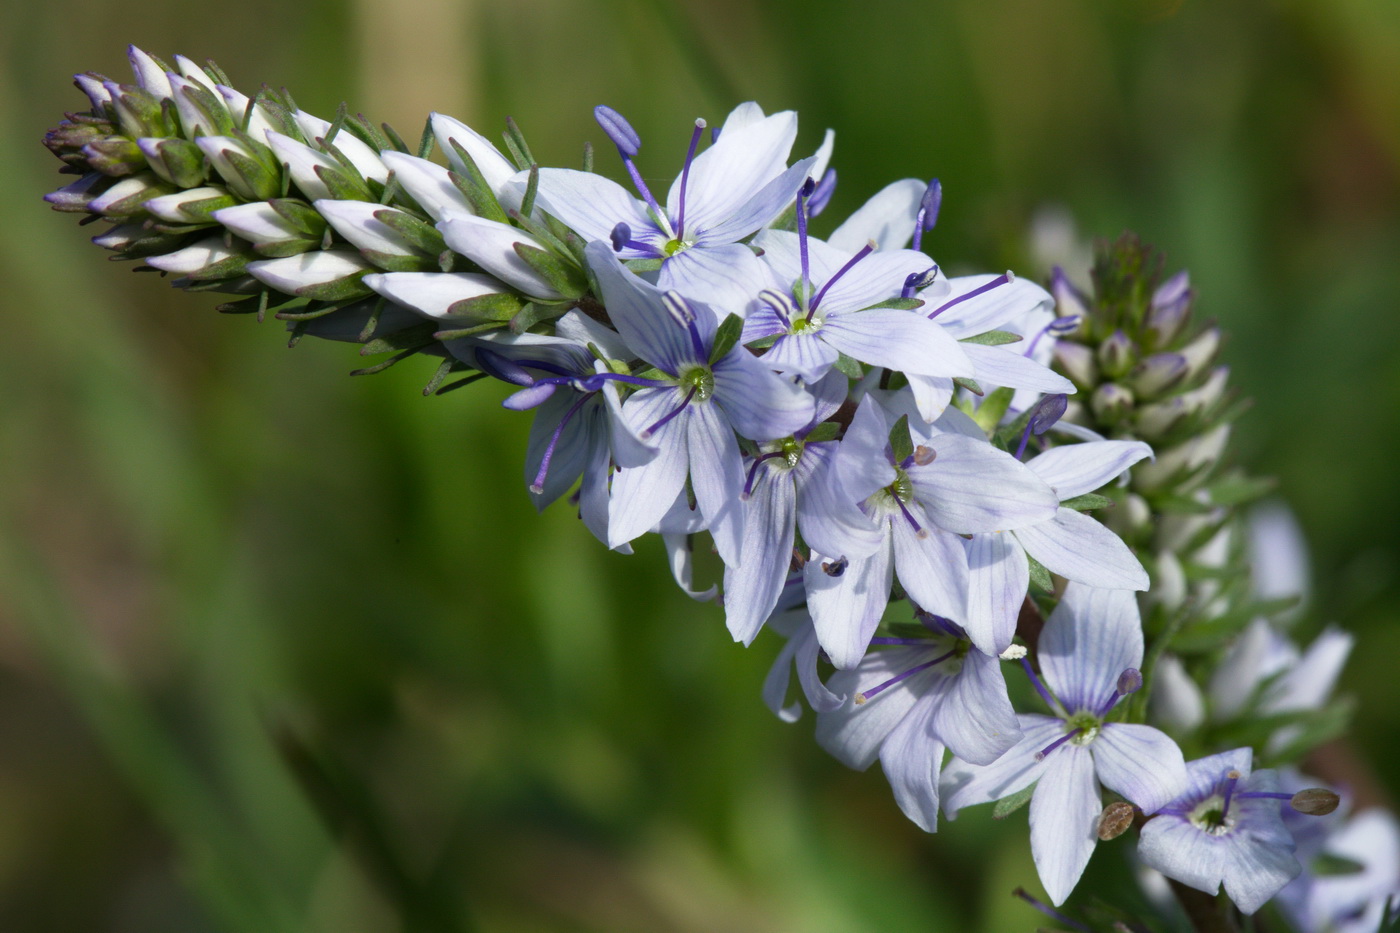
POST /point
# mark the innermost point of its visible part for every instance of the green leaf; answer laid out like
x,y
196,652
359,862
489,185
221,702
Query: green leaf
x,y
1009,805
340,289
899,304
305,218
826,431
515,142
1238,490
643,265
1087,502
763,343
968,384
342,186
496,306
564,277
848,366
989,414
993,338
419,335
532,187
900,441
536,312
726,337
1325,865
1040,577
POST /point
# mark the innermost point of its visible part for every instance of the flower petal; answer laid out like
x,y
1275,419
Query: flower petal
x,y
971,486
429,184
999,366
732,171
804,355
830,520
759,403
887,218
932,569
753,584
491,246
642,495
975,719
1089,640
966,785
592,206
760,210
1074,469
846,609
854,732
912,758
717,476
1139,762
681,554
1079,548
1064,820
998,577
636,310
432,293
897,340
726,277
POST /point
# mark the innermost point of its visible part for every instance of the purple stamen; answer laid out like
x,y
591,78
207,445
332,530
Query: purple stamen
x,y
919,530
1231,779
928,211
537,486
684,314
980,290
621,236
915,642
865,250
917,280
1040,755
619,131
1040,688
531,397
685,177
778,302
802,195
865,695
937,623
1130,681
821,196
753,473
595,382
1262,795
671,414
1043,417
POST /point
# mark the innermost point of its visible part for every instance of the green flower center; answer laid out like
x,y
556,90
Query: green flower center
x,y
701,380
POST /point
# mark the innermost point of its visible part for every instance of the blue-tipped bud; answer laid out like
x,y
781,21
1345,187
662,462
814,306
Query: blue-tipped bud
x,y
1064,325
932,201
1049,411
493,364
618,130
821,195
620,235
1130,681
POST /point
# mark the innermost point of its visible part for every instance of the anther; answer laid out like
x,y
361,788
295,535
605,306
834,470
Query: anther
x,y
1043,417
621,234
821,195
618,130
928,211
834,568
1315,801
923,456
493,364
917,280
1115,820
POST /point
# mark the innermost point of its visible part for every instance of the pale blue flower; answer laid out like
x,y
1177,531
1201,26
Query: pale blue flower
x,y
1224,828
1089,653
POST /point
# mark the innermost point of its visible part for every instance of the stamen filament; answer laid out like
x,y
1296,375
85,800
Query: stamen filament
x,y
646,194
882,640
1261,795
1231,779
865,250
671,414
685,177
595,382
1040,755
537,486
919,530
803,194
980,290
928,211
1040,688
753,472
865,695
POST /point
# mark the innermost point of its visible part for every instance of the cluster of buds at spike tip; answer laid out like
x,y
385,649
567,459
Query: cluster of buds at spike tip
x,y
1146,371
251,196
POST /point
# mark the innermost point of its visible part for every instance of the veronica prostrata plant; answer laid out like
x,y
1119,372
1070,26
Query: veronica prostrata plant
x,y
914,479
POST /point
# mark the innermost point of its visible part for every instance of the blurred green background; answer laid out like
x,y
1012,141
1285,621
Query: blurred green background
x,y
211,545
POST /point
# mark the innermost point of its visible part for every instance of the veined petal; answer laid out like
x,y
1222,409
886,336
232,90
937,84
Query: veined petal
x,y
804,355
746,114
912,758
932,569
971,486
897,340
975,719
726,277
642,495
1074,469
887,218
570,452
830,520
1089,640
1079,548
1004,305
733,170
1139,762
717,476
759,403
1181,851
931,394
428,184
597,471
592,206
966,785
759,211
491,246
877,277
636,310
782,253
998,577
1000,366
853,733
1064,820
432,293
861,464
775,684
752,584
846,609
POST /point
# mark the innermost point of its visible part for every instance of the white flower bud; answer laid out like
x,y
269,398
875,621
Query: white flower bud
x,y
491,245
216,150
319,267
237,104
433,293
124,198
351,146
193,259
96,91
428,184
149,74
172,208
191,70
258,222
495,168
301,162
355,221
192,117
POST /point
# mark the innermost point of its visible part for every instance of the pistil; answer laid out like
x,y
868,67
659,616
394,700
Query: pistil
x,y
685,177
